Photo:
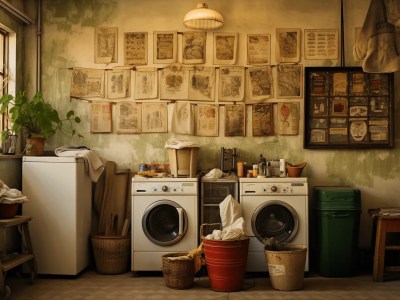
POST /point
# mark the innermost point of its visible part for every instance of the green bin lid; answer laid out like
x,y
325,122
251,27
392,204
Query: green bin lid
x,y
336,198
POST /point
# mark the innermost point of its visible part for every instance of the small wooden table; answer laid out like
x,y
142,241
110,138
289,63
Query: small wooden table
x,y
384,224
25,255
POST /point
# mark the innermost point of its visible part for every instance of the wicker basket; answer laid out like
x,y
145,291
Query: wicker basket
x,y
111,253
178,273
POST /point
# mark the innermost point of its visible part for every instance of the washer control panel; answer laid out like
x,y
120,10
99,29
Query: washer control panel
x,y
164,188
274,188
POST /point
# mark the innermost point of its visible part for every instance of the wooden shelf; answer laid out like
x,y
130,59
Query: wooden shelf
x,y
15,261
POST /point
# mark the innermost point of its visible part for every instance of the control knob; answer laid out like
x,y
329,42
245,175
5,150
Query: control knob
x,y
164,188
274,189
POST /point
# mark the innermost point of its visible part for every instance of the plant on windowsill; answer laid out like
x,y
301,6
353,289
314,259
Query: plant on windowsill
x,y
8,141
37,119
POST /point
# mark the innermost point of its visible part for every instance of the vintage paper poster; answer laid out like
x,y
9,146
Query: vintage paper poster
x,y
165,47
318,136
259,83
321,43
263,119
207,120
319,83
182,118
146,83
358,84
339,107
231,84
118,83
87,83
235,120
100,117
287,45
290,81
202,84
225,48
129,117
338,130
135,48
259,49
106,45
154,117
288,118
379,130
358,130
194,47
339,84
379,106
174,83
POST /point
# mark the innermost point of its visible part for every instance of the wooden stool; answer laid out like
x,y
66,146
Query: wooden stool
x,y
384,224
8,262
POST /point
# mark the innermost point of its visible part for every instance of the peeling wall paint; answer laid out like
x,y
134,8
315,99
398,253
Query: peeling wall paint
x,y
68,41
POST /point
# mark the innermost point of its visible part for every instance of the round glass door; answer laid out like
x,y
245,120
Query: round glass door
x,y
164,222
275,219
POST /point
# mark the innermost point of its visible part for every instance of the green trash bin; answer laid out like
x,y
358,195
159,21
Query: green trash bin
x,y
337,211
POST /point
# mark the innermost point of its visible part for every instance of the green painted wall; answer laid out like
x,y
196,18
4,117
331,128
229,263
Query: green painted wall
x,y
68,41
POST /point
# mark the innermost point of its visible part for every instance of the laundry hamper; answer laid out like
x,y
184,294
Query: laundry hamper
x,y
111,253
178,272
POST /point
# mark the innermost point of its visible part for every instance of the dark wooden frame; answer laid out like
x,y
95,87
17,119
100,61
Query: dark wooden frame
x,y
350,115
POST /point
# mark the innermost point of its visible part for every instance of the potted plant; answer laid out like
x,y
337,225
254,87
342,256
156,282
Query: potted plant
x,y
8,141
37,119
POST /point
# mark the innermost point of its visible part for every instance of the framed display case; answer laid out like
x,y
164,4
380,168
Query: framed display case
x,y
347,108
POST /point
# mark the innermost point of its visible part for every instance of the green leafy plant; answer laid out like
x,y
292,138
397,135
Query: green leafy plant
x,y
36,117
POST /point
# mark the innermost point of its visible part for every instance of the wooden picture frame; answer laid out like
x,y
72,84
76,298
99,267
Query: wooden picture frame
x,y
348,108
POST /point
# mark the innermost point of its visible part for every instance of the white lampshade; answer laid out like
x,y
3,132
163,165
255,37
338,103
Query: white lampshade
x,y
203,18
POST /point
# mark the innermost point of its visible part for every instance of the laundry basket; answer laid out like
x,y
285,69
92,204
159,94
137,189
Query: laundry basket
x,y
111,253
178,272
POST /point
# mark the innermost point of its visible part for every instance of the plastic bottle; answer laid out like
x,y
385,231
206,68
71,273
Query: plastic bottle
x,y
261,165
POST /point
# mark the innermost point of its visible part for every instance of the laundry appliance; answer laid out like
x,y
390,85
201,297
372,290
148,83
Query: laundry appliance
x,y
273,207
164,219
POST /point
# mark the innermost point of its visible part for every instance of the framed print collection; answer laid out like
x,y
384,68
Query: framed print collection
x,y
141,92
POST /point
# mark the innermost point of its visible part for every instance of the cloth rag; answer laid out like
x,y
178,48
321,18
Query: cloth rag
x,y
376,44
8,196
179,144
94,166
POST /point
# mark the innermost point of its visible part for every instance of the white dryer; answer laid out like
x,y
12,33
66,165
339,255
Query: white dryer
x,y
273,207
164,219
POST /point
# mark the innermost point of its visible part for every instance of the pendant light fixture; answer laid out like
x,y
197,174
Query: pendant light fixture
x,y
203,18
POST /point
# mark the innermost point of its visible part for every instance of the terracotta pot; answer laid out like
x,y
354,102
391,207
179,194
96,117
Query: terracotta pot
x,y
8,211
35,146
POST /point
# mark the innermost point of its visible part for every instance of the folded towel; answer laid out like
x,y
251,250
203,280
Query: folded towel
x,y
93,164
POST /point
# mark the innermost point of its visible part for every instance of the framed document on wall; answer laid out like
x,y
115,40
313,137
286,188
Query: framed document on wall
x,y
347,108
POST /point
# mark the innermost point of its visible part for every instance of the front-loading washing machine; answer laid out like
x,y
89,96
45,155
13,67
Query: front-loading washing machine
x,y
273,207
164,219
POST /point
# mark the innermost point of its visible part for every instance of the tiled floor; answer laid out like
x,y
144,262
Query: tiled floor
x,y
91,285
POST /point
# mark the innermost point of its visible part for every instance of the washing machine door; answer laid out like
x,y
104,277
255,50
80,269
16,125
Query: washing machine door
x,y
164,222
275,219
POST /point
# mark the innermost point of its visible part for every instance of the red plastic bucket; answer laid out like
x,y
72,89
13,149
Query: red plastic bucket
x,y
226,263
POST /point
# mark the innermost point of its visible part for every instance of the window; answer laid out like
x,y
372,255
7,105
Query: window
x,y
3,72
